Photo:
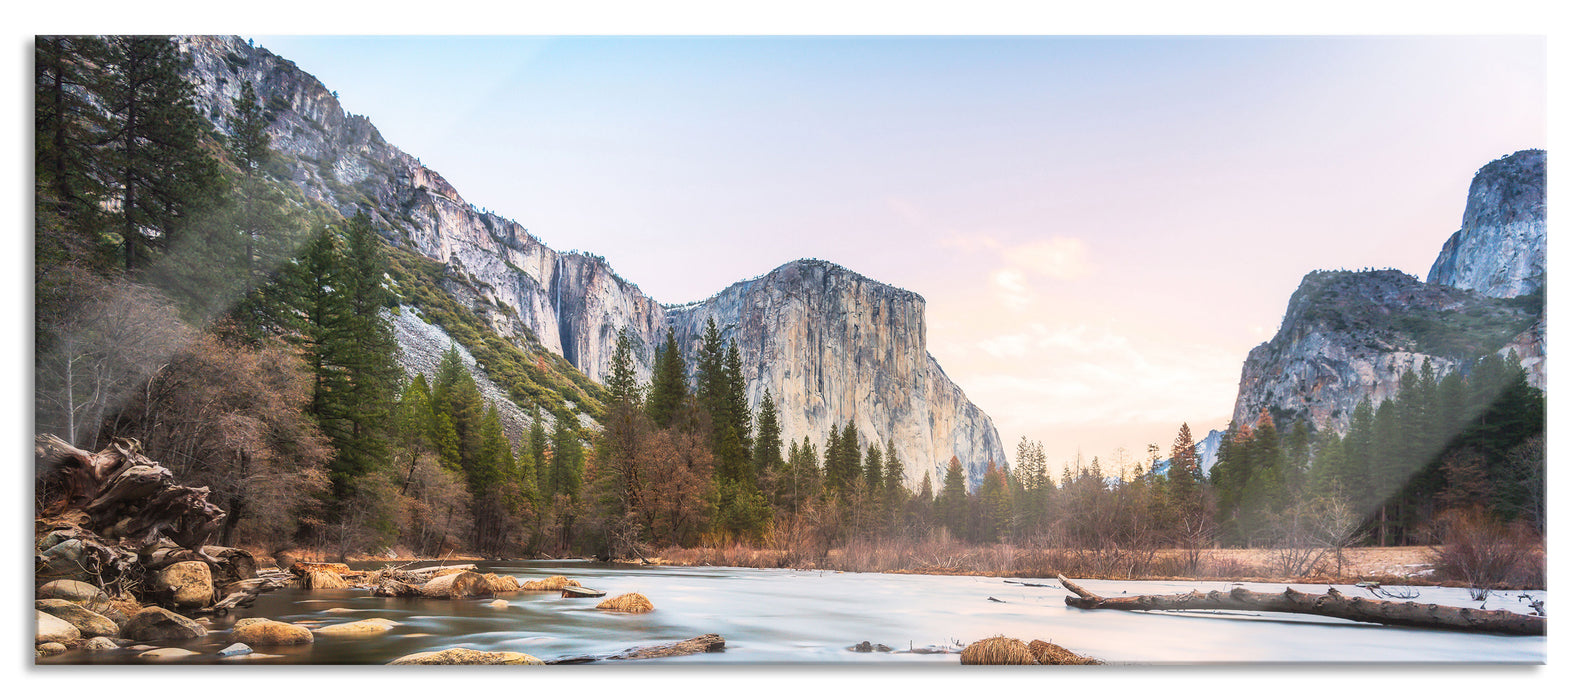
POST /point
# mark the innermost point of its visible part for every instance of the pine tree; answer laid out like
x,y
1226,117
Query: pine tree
x,y
894,484
156,167
67,131
268,232
565,467
622,380
535,459
669,384
952,503
767,460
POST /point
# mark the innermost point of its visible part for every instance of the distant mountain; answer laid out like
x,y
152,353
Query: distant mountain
x,y
1207,454
1351,335
830,344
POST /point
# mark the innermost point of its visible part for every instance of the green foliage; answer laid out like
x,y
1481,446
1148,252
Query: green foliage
x,y
670,382
530,374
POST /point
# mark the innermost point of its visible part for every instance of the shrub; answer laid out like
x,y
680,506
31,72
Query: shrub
x,y
1485,553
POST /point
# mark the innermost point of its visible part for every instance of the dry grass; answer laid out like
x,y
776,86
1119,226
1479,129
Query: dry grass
x,y
502,584
997,651
1055,655
317,579
627,603
553,583
1388,565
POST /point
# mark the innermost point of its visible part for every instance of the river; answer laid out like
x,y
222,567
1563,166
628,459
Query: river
x,y
783,616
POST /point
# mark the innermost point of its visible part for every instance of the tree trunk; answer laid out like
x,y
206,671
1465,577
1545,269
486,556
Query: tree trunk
x,y
1331,604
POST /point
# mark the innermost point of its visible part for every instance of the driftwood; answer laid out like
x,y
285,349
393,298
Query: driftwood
x,y
1331,604
580,592
695,645
241,594
127,495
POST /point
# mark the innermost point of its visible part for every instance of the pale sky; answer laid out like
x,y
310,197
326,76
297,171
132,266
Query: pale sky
x,y
1102,227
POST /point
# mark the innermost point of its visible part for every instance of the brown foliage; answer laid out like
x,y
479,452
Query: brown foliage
x,y
627,603
997,651
1485,553
673,502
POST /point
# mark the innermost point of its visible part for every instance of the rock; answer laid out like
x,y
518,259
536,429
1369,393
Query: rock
x,y
153,623
464,584
101,644
189,584
695,645
1501,249
795,325
361,628
867,647
458,656
339,611
261,632
64,559
997,651
166,654
85,594
236,649
627,603
89,623
502,584
49,649
53,629
498,603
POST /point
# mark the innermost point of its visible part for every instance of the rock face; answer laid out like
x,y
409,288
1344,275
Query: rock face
x,y
1502,247
1352,335
831,345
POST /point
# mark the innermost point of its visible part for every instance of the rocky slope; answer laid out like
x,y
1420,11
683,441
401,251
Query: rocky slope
x,y
830,344
1350,335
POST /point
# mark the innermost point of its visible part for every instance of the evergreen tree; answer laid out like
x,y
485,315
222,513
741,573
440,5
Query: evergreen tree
x,y
622,381
767,459
952,504
155,164
565,467
67,133
670,382
894,484
535,458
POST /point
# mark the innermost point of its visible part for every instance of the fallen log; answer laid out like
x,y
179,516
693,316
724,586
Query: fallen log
x,y
580,592
1331,604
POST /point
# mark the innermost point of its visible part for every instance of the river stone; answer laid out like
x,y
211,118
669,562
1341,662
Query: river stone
x,y
458,656
262,632
499,603
90,623
463,584
101,644
53,629
361,628
189,582
166,654
49,649
64,559
236,649
154,622
85,594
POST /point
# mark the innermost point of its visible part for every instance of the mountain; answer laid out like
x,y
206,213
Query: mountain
x,y
1207,454
1351,335
830,344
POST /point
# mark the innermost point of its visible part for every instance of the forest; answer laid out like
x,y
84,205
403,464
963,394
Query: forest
x,y
189,296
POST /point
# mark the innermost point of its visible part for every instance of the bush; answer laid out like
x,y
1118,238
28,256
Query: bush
x,y
1486,553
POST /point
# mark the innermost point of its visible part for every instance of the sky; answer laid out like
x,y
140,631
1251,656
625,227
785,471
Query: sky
x,y
1102,227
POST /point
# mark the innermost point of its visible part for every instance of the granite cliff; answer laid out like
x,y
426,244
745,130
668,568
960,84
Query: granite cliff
x,y
1352,335
831,345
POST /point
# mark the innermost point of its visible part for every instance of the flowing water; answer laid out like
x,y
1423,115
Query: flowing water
x,y
783,616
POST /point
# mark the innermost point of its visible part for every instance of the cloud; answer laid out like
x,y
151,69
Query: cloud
x,y
1057,258
1012,286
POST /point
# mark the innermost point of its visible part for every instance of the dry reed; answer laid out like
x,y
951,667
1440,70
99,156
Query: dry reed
x,y
553,583
1056,655
502,584
628,603
997,651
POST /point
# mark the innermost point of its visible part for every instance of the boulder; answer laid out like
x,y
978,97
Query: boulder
x,y
89,623
189,584
458,656
153,623
499,603
101,644
85,594
463,584
261,632
49,649
53,629
166,654
361,628
64,559
237,649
